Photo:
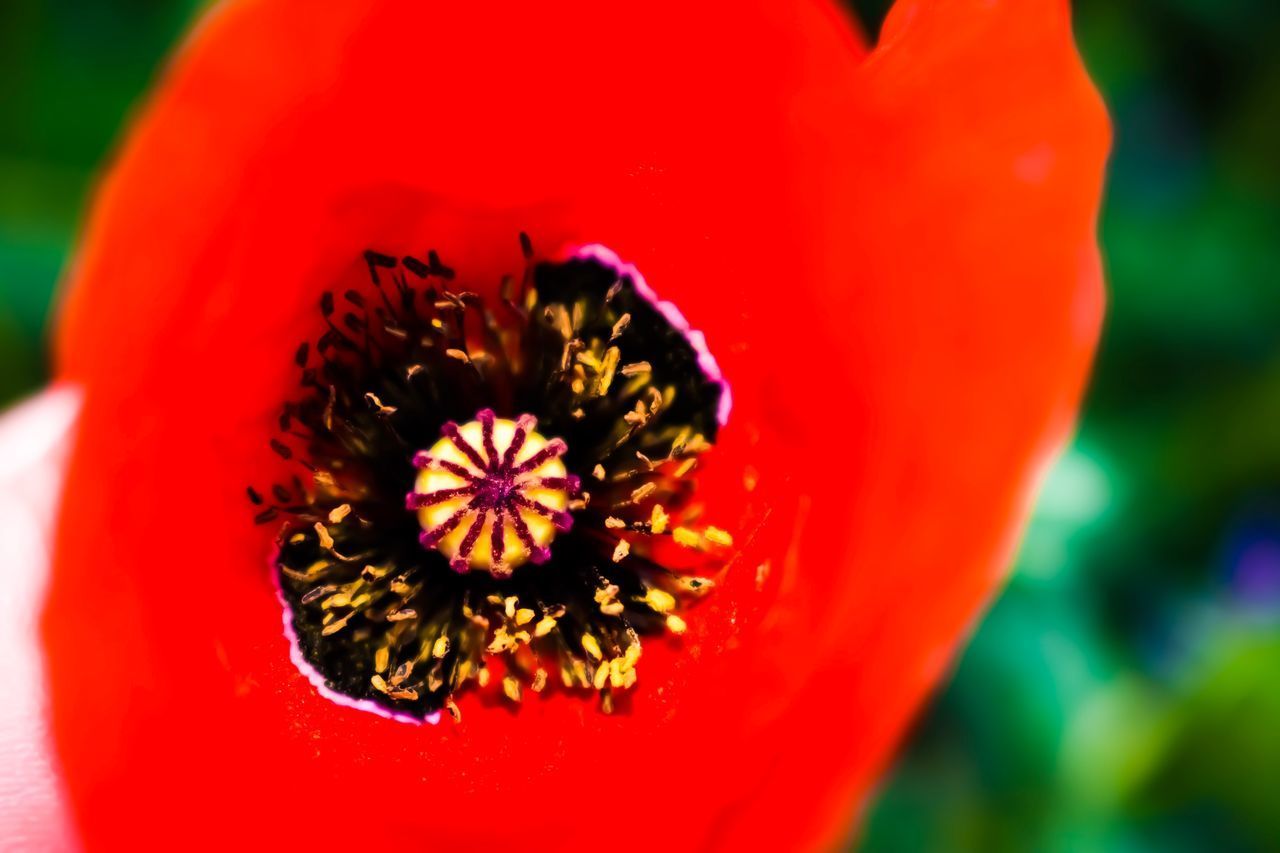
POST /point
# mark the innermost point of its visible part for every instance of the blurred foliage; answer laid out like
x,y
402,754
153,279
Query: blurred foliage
x,y
71,71
1122,694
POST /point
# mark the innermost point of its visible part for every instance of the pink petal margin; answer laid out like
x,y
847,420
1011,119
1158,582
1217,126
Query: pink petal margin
x,y
35,438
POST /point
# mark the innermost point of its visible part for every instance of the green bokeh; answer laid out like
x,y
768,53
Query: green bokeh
x,y
71,72
1122,695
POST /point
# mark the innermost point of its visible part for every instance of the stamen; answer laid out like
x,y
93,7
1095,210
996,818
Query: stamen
x,y
405,532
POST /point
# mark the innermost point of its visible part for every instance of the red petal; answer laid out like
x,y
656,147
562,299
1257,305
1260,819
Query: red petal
x,y
955,351
894,266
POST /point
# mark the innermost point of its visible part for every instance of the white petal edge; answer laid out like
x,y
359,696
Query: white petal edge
x,y
35,439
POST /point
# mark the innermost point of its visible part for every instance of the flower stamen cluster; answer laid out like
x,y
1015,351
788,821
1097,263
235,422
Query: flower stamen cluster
x,y
485,490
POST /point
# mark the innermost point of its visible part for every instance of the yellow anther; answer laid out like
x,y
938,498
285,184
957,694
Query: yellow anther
x,y
686,537
502,641
607,598
658,520
641,492
326,541
718,536
580,673
659,600
696,585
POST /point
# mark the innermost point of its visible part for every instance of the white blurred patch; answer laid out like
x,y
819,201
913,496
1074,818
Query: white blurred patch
x,y
34,444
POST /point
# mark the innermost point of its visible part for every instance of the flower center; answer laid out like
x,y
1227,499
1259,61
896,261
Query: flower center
x,y
414,517
492,494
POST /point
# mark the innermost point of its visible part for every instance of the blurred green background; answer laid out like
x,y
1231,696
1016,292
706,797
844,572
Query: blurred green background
x,y
1123,694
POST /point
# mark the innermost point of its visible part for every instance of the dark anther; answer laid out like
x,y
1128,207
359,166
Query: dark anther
x,y
416,266
375,260
437,268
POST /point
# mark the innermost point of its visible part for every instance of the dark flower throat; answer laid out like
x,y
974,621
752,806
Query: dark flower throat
x,y
484,488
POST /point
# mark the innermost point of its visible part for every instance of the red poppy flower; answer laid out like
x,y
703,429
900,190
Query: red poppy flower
x,y
891,256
